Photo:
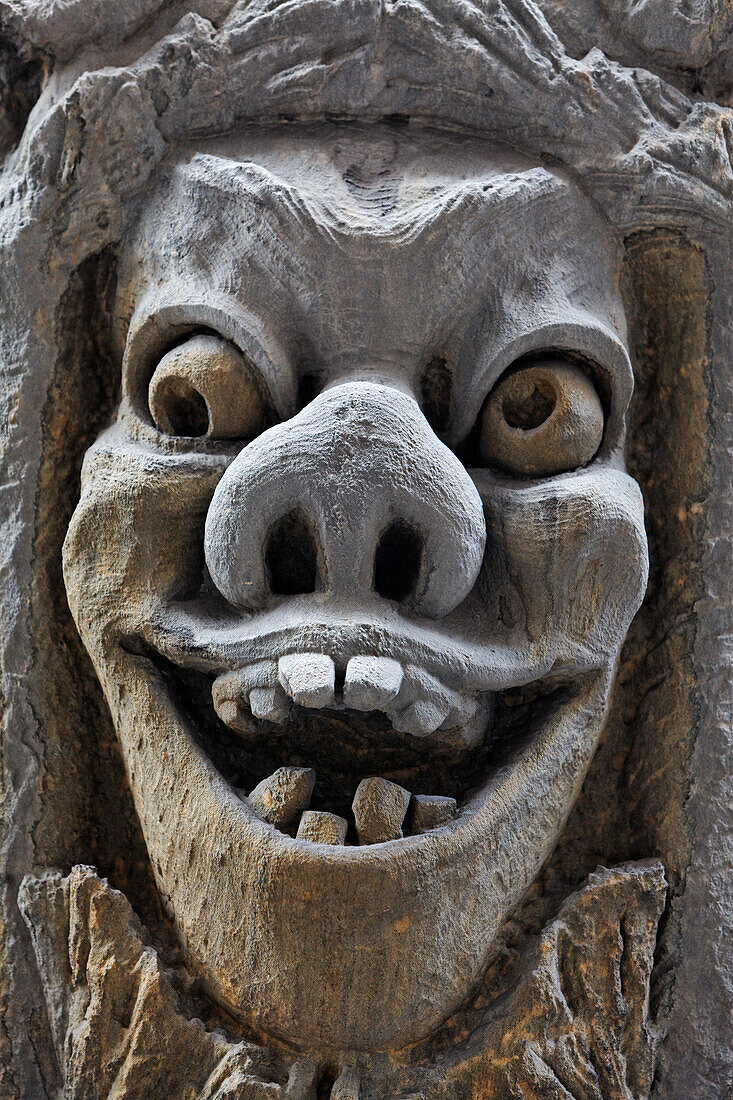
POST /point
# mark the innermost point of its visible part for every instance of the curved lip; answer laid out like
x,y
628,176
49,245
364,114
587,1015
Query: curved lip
x,y
184,637
470,825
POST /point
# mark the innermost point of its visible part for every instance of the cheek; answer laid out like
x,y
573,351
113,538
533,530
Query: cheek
x,y
575,558
135,540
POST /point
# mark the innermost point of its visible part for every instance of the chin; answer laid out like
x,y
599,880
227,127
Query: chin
x,y
353,945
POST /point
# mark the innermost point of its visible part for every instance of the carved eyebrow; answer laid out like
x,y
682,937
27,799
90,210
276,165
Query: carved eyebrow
x,y
478,199
581,336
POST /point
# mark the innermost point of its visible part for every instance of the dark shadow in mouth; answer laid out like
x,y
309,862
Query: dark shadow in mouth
x,y
346,746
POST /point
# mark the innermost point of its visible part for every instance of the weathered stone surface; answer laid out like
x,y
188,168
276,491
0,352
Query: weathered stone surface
x,y
429,811
372,682
308,678
573,1019
119,1017
287,274
322,828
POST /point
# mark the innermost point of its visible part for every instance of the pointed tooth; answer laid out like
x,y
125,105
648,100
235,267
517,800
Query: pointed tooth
x,y
269,704
322,828
429,811
421,718
309,679
371,682
284,795
379,810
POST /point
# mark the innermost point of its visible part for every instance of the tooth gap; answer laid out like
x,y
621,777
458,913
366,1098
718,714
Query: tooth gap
x,y
291,556
397,561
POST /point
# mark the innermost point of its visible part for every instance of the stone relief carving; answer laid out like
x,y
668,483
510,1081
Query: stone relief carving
x,y
343,592
342,310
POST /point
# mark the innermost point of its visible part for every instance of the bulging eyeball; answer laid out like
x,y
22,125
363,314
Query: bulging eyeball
x,y
206,387
540,420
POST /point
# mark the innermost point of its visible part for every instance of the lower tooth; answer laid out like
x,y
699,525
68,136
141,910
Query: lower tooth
x,y
284,795
379,809
322,828
429,811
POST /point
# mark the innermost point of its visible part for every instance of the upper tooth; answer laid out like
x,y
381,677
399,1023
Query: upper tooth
x,y
230,690
421,718
379,810
322,828
371,682
269,704
281,797
308,678
428,811
233,714
460,713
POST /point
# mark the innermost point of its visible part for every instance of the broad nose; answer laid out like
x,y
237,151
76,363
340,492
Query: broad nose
x,y
354,494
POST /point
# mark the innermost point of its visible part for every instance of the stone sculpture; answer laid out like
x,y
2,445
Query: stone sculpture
x,y
342,307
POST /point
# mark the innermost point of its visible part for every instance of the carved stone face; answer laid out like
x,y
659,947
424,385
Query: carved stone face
x,y
363,510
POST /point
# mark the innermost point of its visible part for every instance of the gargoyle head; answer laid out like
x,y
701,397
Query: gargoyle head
x,y
359,544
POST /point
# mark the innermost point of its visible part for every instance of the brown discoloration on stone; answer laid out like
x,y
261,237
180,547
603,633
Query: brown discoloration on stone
x,y
573,1011
118,1015
542,419
322,828
429,811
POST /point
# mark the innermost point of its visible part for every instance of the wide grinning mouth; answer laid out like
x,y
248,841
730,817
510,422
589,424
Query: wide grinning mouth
x,y
336,774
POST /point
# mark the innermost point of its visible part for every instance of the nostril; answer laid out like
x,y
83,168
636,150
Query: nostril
x,y
397,561
291,556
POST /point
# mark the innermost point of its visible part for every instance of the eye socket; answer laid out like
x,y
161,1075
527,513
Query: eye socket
x,y
542,419
206,388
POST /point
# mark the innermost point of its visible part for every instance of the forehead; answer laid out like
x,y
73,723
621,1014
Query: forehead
x,y
374,243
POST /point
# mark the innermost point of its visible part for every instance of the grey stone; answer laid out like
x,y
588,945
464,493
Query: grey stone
x,y
308,678
269,703
371,682
286,291
421,718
